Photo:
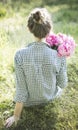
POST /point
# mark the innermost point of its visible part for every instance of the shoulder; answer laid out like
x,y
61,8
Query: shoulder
x,y
20,52
54,54
23,50
50,50
18,55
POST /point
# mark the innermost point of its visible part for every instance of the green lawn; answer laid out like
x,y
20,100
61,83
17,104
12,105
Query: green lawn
x,y
62,113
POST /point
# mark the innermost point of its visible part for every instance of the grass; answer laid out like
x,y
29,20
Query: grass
x,y
62,113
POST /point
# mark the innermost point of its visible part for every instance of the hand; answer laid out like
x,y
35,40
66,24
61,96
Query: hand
x,y
11,120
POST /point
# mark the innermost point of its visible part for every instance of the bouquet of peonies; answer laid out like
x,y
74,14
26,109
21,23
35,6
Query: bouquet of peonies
x,y
64,44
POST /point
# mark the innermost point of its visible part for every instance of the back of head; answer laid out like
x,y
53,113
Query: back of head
x,y
39,22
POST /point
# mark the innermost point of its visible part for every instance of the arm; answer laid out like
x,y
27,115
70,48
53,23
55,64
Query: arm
x,y
18,109
61,76
21,85
21,92
16,116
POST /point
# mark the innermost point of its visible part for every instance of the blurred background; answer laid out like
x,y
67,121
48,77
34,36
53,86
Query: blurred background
x,y
61,114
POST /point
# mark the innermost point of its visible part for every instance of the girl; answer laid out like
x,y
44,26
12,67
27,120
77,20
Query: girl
x,y
40,74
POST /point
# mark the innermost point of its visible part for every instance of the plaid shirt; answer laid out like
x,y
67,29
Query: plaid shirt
x,y
40,74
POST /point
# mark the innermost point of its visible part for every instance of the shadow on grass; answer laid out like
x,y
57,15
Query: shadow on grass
x,y
38,118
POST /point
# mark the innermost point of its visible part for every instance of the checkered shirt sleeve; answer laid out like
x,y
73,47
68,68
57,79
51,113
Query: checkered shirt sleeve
x,y
21,88
61,76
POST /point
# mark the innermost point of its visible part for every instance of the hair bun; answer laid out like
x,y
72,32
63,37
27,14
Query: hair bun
x,y
36,16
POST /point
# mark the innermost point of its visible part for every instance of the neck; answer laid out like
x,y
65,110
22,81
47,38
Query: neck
x,y
39,40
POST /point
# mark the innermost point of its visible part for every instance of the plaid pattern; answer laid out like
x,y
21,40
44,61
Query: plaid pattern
x,y
40,73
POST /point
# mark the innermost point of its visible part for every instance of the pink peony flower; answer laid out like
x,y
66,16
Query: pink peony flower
x,y
65,45
52,40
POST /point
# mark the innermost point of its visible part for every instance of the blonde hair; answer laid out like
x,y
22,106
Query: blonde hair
x,y
39,22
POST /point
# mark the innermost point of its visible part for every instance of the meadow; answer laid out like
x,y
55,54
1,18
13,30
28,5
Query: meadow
x,y
62,113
